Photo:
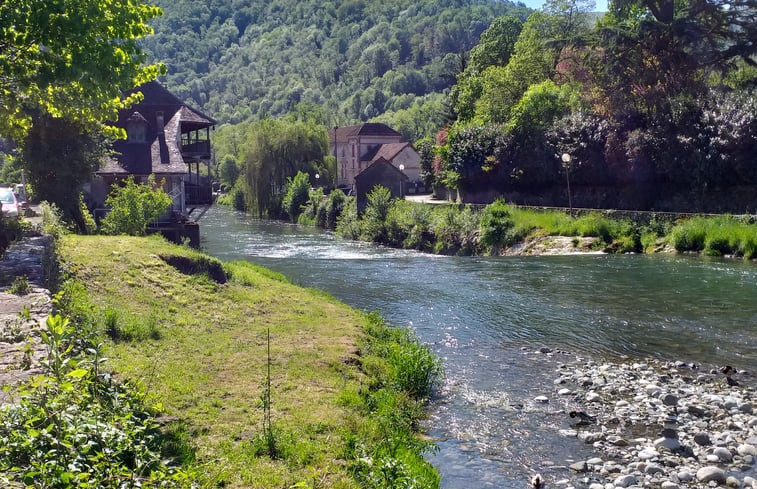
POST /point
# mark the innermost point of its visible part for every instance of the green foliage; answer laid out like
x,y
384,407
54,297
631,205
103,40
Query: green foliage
x,y
90,226
456,231
10,172
228,170
273,152
540,105
128,328
404,374
75,426
70,61
296,195
52,220
59,156
496,223
358,59
373,225
497,43
20,285
134,206
717,236
348,223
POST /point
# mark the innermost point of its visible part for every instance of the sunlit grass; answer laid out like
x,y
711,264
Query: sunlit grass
x,y
200,349
716,236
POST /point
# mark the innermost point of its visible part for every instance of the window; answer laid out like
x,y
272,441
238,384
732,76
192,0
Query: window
x,y
136,131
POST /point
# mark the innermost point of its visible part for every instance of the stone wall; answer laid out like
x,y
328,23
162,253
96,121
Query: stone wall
x,y
23,315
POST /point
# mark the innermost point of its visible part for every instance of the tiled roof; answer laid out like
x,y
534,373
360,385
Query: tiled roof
x,y
160,153
367,129
389,151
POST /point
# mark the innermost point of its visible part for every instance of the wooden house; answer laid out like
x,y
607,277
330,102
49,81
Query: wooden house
x,y
165,138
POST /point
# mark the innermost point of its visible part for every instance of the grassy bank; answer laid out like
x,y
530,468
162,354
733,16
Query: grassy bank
x,y
345,394
499,228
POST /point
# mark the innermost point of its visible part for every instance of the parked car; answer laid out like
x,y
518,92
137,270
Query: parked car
x,y
9,202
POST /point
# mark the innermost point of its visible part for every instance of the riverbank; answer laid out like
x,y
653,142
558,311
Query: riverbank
x,y
504,229
344,393
659,424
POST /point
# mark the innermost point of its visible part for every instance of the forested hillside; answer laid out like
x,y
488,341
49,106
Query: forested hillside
x,y
242,59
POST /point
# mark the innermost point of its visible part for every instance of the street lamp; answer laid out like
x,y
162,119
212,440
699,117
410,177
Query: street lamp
x,y
566,164
317,176
402,170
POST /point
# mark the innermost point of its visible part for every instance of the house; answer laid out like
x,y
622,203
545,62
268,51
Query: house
x,y
165,138
357,147
380,172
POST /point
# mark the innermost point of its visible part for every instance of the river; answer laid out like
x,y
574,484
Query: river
x,y
486,316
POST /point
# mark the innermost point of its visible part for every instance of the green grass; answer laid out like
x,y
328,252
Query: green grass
x,y
198,345
716,236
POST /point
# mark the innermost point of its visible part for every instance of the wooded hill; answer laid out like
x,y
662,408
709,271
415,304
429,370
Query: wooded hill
x,y
242,59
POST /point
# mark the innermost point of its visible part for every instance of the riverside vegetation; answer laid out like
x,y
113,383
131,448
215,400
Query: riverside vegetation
x,y
501,228
180,400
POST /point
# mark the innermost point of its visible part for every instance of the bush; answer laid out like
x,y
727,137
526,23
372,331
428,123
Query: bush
x,y
52,220
134,206
334,207
296,195
75,426
496,222
90,226
374,218
348,225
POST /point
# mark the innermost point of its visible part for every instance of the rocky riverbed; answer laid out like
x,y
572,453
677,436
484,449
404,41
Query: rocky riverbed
x,y
659,424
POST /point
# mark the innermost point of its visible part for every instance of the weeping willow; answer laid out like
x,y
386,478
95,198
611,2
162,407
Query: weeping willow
x,y
276,150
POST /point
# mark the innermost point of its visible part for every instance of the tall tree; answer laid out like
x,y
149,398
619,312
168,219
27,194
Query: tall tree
x,y
70,58
59,156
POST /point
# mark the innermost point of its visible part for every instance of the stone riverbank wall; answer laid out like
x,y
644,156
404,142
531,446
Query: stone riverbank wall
x,y
23,314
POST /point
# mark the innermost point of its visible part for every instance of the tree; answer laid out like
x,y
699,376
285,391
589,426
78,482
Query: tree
x,y
229,171
296,195
134,206
59,156
70,59
497,43
275,151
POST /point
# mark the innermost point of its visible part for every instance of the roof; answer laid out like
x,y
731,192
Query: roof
x,y
160,152
379,162
367,129
387,151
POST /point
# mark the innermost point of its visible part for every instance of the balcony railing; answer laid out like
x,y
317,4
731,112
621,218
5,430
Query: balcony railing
x,y
195,147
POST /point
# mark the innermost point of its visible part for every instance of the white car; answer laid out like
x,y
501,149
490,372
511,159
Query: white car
x,y
9,202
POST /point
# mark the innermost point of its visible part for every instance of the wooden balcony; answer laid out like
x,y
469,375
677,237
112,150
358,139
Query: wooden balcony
x,y
195,148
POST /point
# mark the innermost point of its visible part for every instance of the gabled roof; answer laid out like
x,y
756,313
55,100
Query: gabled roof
x,y
160,153
387,151
342,134
377,163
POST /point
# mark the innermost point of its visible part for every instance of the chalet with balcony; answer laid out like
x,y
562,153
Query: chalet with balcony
x,y
356,148
165,138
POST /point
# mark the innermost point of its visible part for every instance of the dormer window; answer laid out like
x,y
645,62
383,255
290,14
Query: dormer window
x,y
136,128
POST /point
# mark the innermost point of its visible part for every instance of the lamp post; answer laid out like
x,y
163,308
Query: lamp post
x,y
566,164
317,176
402,170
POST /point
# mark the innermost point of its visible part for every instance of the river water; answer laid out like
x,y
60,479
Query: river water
x,y
486,316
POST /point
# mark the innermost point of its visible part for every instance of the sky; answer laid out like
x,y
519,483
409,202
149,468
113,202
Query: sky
x,y
537,4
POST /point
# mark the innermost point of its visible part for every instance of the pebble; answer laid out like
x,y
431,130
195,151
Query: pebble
x,y
702,439
706,429
747,450
710,473
541,399
625,480
723,454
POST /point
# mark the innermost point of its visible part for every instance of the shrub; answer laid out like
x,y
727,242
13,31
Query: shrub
x,y
134,206
496,221
334,207
20,285
75,426
90,226
348,225
374,218
52,220
296,195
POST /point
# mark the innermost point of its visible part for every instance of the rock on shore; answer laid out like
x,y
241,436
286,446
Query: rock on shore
x,y
662,424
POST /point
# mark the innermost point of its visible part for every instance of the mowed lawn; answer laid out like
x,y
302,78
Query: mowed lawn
x,y
199,349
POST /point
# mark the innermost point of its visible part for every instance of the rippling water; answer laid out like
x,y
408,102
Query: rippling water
x,y
479,313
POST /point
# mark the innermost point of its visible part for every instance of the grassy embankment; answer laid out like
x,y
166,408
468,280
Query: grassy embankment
x,y
346,391
464,230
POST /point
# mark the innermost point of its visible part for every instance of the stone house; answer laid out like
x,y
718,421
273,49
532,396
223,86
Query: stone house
x,y
357,147
380,172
